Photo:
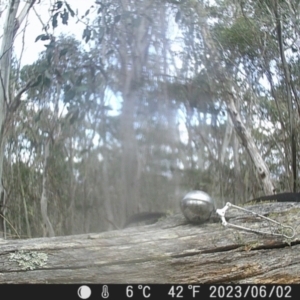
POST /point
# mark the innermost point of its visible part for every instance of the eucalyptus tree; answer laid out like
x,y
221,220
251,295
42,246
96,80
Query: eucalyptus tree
x,y
264,43
132,40
66,112
249,59
69,112
9,99
249,50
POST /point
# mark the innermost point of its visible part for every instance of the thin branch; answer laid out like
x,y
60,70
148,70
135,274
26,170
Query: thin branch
x,y
24,12
17,99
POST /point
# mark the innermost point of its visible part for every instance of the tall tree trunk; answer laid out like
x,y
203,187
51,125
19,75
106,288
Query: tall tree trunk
x,y
5,64
108,210
221,76
44,198
288,86
11,25
129,155
133,50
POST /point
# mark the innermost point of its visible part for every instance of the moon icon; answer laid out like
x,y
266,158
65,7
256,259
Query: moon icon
x,y
84,292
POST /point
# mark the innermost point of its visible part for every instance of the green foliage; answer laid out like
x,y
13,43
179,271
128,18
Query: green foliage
x,y
42,37
242,37
197,93
62,9
86,34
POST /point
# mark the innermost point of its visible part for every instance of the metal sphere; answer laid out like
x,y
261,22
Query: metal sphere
x,y
197,206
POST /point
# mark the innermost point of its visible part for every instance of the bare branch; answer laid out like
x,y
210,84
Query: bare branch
x,y
24,12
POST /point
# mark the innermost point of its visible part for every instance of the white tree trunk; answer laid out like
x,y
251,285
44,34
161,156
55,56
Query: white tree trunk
x,y
10,26
44,198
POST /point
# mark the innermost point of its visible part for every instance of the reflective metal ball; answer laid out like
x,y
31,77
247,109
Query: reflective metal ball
x,y
197,206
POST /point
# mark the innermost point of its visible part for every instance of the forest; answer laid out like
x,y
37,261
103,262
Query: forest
x,y
157,98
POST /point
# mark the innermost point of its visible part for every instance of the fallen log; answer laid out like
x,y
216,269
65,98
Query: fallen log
x,y
170,251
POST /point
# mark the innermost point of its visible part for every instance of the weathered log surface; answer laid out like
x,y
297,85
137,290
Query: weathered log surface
x,y
170,251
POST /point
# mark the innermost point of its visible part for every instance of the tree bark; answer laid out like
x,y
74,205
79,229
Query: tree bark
x,y
289,87
48,229
229,98
5,64
11,26
170,251
249,144
133,52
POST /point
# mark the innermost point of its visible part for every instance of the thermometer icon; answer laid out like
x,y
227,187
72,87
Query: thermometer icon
x,y
105,293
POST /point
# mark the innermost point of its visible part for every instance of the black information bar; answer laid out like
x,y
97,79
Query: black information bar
x,y
150,291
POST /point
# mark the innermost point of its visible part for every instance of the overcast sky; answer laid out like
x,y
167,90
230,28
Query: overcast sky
x,y
34,28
